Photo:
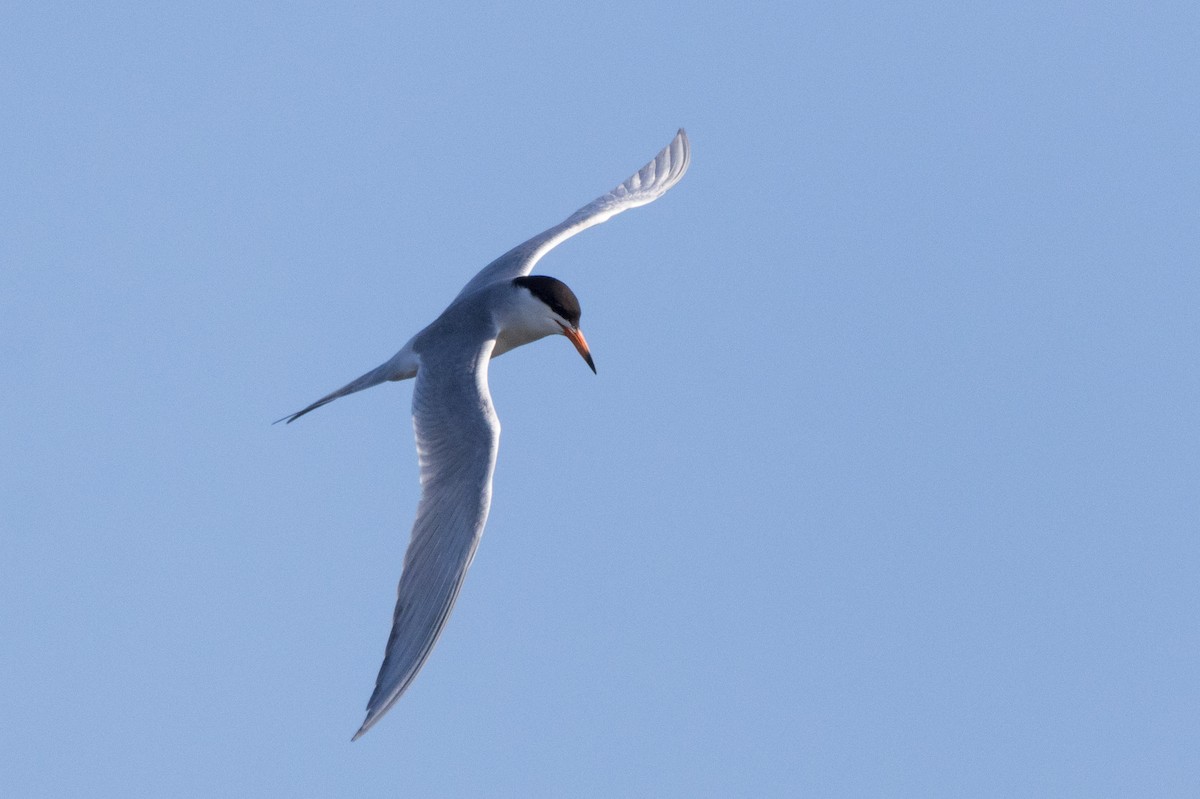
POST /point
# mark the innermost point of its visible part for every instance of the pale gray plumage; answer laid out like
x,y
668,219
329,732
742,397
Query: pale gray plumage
x,y
457,432
457,435
644,186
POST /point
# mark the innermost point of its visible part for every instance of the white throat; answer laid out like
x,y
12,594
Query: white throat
x,y
522,319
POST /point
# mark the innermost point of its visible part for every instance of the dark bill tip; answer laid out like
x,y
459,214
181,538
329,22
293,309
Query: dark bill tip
x,y
581,345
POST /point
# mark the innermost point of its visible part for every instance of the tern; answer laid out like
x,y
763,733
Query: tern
x,y
456,429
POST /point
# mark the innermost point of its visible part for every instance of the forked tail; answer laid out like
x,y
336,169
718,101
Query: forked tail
x,y
402,366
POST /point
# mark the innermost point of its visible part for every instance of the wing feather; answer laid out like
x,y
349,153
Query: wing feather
x,y
644,186
457,436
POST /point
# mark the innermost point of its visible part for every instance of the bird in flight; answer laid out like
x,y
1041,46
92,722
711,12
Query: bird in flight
x,y
456,429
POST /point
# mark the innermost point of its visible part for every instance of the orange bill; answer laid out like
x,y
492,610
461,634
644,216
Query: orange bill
x,y
580,343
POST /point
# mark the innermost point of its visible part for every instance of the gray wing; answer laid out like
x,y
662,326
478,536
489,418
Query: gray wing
x,y
457,435
645,186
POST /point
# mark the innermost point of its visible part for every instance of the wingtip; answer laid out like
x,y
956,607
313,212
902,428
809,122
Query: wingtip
x,y
685,144
674,160
367,724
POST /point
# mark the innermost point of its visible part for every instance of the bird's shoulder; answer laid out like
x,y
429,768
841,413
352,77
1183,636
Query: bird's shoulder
x,y
465,325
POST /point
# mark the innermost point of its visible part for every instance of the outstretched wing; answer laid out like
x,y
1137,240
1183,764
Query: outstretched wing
x,y
457,435
645,186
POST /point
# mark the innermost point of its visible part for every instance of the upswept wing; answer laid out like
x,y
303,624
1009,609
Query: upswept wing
x,y
645,186
457,436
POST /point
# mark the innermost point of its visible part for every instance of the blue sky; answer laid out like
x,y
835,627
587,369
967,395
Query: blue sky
x,y
887,484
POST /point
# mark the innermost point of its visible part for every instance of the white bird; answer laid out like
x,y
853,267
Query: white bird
x,y
457,432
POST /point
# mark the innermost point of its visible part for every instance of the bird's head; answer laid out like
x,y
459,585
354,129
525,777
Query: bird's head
x,y
551,308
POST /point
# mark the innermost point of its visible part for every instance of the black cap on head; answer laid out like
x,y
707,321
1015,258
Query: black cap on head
x,y
554,293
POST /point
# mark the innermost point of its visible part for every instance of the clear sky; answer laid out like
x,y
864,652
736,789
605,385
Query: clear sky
x,y
887,484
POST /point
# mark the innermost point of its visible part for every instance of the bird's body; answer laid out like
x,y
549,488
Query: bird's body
x,y
457,432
